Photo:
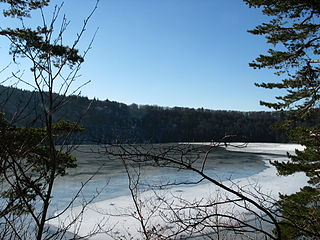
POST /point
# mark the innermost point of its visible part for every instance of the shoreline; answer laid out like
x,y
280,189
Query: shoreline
x,y
254,147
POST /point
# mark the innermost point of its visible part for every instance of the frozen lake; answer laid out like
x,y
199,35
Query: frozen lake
x,y
246,167
110,179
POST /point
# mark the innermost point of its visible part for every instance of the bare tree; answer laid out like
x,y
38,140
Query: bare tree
x,y
33,158
232,212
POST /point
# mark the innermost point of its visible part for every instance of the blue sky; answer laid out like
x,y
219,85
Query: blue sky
x,y
189,53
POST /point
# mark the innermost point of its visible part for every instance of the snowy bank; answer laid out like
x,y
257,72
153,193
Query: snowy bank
x,y
267,148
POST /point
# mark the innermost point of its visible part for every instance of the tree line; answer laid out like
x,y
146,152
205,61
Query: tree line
x,y
111,121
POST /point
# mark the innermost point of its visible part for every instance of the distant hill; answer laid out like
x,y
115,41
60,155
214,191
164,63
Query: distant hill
x,y
110,121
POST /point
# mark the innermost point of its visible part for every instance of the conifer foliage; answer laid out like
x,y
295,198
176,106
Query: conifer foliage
x,y
294,32
32,157
22,8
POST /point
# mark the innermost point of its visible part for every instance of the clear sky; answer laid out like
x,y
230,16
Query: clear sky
x,y
189,53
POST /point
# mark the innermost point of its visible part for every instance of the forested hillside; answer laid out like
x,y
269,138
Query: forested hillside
x,y
110,121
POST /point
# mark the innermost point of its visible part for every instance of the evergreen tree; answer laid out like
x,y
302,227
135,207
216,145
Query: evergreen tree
x,y
294,32
22,8
31,159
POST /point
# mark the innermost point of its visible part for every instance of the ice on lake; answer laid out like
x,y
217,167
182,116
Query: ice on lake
x,y
244,166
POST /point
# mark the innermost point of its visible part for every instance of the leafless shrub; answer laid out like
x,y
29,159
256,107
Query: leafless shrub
x,y
230,212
